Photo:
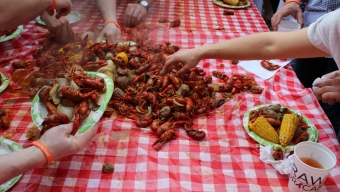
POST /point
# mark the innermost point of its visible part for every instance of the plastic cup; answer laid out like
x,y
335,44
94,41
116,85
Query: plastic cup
x,y
304,177
288,25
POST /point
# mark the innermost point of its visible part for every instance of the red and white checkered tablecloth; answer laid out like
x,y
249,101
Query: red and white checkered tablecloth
x,y
226,160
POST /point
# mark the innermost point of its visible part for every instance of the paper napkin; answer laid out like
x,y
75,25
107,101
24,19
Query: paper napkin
x,y
316,81
254,66
284,166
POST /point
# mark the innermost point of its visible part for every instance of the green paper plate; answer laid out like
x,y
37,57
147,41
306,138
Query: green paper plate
x,y
312,131
9,146
5,82
73,17
39,112
13,35
222,4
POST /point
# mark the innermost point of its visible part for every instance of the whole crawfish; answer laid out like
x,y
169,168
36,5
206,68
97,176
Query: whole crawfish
x,y
75,95
164,127
94,66
269,66
80,112
167,136
89,82
193,133
50,107
175,81
220,75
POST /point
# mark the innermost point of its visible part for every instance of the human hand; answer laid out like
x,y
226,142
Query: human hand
x,y
189,58
134,14
60,27
60,143
329,89
292,9
62,7
110,32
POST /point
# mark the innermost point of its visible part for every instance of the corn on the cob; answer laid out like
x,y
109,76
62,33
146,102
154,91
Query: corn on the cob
x,y
231,2
263,129
288,128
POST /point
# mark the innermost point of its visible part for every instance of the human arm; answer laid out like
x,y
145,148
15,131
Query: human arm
x,y
60,27
135,13
268,45
110,31
57,139
290,8
10,11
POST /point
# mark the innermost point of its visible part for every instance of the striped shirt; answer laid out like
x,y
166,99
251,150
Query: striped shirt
x,y
314,9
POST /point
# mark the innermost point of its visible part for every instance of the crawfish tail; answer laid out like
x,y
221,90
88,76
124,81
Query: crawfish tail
x,y
195,134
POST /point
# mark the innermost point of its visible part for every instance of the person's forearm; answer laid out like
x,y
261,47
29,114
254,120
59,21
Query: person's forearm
x,y
107,9
16,12
19,162
270,45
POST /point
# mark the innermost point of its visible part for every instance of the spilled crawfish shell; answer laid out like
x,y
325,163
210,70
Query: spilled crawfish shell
x,y
123,82
118,92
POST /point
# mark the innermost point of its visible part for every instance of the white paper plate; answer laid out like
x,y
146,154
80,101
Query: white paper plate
x,y
39,112
5,82
222,4
9,146
73,17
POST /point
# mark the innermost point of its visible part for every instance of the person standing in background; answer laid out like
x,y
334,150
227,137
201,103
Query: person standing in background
x,y
267,8
308,69
9,9
134,14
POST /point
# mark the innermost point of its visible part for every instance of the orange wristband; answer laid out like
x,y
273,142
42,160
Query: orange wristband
x,y
44,149
52,6
295,1
112,21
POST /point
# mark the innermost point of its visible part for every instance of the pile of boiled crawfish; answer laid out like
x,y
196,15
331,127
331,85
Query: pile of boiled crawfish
x,y
70,99
163,102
